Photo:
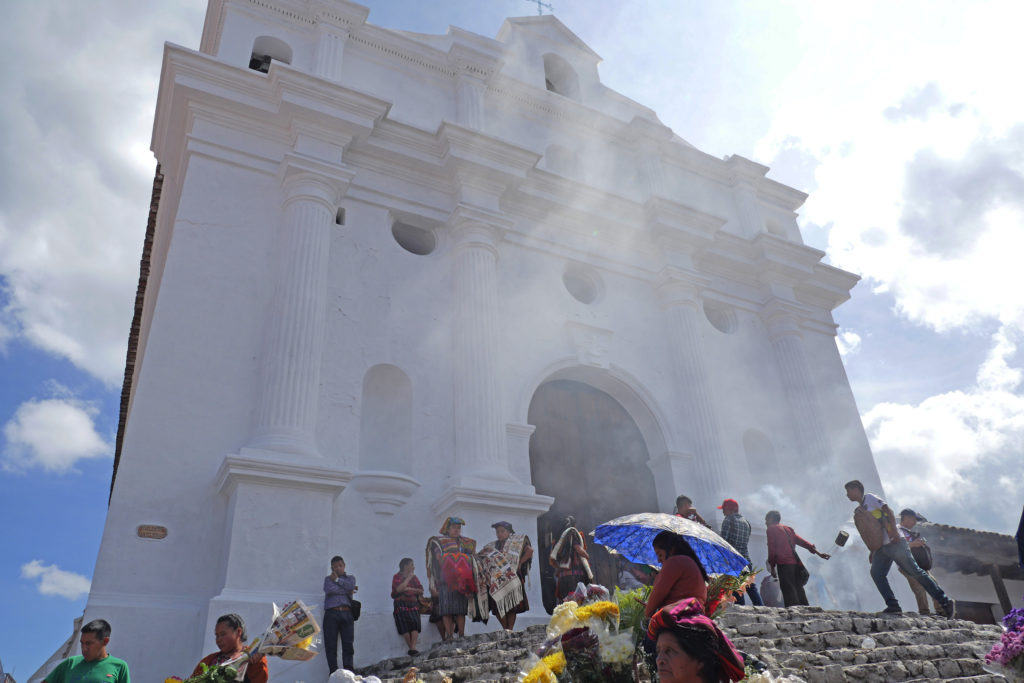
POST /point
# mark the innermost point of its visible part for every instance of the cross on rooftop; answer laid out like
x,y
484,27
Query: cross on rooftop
x,y
541,6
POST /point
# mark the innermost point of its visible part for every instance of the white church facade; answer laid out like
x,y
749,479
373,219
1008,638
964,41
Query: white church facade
x,y
394,277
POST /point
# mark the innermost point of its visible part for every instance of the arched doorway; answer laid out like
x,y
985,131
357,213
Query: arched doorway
x,y
588,453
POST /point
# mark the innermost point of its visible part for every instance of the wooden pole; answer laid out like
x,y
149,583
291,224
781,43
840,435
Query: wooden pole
x,y
997,581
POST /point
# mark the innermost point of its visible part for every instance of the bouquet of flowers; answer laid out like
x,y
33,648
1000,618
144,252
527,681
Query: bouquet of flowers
x,y
1006,657
723,589
289,636
584,643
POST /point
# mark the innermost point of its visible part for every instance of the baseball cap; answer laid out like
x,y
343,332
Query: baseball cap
x,y
729,503
907,512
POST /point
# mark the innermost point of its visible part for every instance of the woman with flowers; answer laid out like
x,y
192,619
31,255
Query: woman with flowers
x,y
455,578
229,634
691,648
682,575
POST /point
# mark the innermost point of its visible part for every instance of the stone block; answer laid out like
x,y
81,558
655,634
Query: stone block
x,y
861,625
947,668
817,626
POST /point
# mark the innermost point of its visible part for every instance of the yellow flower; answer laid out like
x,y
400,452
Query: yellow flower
x,y
555,661
563,619
600,610
546,669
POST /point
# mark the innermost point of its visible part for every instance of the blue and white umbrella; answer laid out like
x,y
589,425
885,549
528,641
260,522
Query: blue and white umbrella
x,y
631,537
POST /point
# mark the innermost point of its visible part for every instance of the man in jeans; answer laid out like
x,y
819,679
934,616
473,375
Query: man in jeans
x,y
338,621
894,549
908,520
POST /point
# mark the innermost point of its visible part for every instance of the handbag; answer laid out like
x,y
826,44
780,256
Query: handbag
x,y
426,605
802,575
923,557
356,608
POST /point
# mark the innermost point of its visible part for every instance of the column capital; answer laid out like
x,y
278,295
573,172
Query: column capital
x,y
471,64
520,430
744,173
679,287
309,179
339,17
472,227
782,319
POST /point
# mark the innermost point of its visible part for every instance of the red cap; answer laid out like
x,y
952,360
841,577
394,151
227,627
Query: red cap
x,y
729,503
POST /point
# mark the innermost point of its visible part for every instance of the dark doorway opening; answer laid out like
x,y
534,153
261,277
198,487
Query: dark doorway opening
x,y
589,455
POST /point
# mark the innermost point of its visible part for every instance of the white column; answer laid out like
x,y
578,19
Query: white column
x,y
479,429
330,49
287,411
517,437
791,357
693,384
470,101
749,209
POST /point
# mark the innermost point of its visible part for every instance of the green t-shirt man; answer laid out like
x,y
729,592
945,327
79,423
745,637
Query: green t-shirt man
x,y
76,670
94,665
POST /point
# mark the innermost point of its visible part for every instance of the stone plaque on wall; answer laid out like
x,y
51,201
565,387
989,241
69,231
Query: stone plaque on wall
x,y
151,531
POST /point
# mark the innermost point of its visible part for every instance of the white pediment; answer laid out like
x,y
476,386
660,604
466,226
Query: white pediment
x,y
548,34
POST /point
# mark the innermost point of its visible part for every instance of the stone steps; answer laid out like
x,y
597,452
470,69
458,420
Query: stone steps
x,y
816,645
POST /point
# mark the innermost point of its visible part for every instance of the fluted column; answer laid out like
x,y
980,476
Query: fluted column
x,y
330,49
798,385
287,411
680,294
479,428
749,209
334,22
470,102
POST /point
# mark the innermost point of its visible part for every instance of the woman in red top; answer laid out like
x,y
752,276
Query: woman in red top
x,y
229,634
406,591
681,576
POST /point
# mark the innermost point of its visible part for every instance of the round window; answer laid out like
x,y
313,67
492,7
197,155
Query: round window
x,y
721,317
583,284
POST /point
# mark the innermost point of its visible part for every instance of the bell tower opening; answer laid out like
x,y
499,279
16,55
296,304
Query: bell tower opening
x,y
589,454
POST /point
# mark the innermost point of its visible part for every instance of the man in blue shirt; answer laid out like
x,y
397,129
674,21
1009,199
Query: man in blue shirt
x,y
338,618
94,665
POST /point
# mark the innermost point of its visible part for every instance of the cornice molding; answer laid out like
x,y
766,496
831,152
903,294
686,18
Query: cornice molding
x,y
278,107
236,469
678,225
513,498
784,262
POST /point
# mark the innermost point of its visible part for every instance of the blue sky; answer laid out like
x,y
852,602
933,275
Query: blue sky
x,y
903,122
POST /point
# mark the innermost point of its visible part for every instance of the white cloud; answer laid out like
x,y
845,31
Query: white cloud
x,y
55,581
848,342
74,201
52,434
959,445
920,155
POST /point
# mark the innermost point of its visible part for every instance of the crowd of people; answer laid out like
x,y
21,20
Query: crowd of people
x,y
466,582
